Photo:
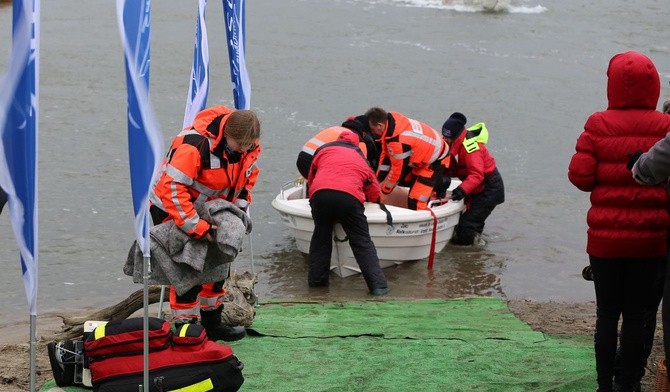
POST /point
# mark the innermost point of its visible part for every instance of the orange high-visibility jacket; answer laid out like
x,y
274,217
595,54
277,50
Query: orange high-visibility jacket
x,y
326,136
197,168
409,142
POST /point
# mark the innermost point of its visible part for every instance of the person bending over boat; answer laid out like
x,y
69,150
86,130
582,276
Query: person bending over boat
x,y
628,223
340,181
330,134
481,184
214,158
411,152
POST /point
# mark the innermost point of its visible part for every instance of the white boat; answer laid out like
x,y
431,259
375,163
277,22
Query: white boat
x,y
410,237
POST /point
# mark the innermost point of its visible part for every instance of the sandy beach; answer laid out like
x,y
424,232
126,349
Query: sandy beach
x,y
548,317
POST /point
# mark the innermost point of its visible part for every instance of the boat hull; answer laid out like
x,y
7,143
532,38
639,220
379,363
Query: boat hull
x,y
409,238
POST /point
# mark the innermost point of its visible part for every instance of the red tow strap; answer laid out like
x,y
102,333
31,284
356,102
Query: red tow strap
x,y
433,239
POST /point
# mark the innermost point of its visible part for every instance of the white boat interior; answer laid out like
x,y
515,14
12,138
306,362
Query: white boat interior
x,y
410,237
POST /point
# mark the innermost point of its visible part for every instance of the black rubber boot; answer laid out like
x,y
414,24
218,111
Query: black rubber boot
x,y
211,320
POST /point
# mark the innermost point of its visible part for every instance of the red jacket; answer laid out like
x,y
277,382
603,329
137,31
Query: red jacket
x,y
625,219
341,166
470,167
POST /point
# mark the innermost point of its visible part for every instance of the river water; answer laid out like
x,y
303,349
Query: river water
x,y
533,74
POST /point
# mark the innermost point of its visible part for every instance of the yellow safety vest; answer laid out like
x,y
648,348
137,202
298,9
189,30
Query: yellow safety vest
x,y
476,134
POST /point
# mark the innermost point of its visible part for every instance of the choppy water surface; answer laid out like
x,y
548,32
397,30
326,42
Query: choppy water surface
x,y
533,74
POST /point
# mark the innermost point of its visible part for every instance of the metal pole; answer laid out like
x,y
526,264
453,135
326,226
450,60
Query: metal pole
x,y
33,350
160,302
251,257
145,337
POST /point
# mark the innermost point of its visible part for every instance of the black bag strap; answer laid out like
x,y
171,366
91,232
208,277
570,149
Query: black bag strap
x,y
389,217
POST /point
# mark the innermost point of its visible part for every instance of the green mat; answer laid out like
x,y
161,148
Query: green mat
x,y
473,344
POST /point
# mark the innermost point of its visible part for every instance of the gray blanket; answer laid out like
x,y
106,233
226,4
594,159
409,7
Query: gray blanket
x,y
184,262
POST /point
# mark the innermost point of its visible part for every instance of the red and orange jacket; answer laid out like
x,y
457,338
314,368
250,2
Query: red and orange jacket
x,y
342,167
408,142
198,168
328,135
470,167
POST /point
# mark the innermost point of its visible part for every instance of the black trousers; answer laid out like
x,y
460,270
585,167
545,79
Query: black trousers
x,y
329,207
665,312
481,205
625,287
649,329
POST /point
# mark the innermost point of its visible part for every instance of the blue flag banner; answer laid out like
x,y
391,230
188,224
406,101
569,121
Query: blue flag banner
x,y
199,82
234,14
18,149
144,138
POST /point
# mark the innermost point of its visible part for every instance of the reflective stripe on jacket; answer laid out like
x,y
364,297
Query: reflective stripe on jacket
x,y
326,136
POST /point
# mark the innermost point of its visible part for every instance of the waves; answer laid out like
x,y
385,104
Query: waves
x,y
482,6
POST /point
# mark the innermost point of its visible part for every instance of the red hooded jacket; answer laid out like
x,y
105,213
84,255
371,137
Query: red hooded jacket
x,y
625,219
341,166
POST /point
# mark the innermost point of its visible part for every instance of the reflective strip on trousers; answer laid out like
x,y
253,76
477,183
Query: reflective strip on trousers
x,y
210,303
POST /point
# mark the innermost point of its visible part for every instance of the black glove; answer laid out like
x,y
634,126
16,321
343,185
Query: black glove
x,y
632,158
457,194
442,186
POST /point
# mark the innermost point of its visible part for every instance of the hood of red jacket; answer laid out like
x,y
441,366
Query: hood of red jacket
x,y
632,82
349,136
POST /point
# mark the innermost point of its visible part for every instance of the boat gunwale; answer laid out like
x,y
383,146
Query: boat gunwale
x,y
374,214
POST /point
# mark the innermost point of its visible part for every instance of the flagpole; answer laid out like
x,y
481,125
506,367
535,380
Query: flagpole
x,y
144,137
235,18
33,351
19,108
146,274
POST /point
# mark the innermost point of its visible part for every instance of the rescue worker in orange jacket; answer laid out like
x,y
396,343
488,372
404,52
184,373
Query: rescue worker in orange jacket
x,y
481,186
331,134
411,152
214,158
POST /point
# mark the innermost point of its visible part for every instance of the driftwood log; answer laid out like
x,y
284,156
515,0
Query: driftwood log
x,y
238,306
73,326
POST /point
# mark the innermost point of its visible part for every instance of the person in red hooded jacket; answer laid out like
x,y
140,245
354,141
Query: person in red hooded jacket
x,y
628,224
482,186
214,158
340,181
